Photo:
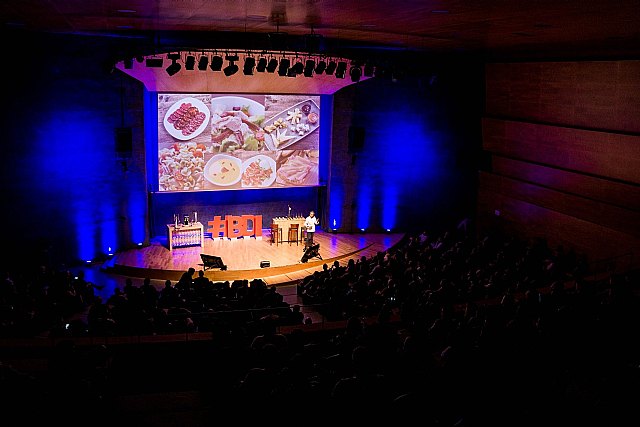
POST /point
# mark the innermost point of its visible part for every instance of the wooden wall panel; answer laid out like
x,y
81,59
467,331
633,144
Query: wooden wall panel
x,y
564,138
597,153
596,212
594,94
528,220
607,191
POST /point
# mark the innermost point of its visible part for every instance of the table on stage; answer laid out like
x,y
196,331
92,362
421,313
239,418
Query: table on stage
x,y
185,235
284,222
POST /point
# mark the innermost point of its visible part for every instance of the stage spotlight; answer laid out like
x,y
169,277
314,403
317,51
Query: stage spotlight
x,y
249,65
308,68
190,62
232,68
216,63
341,70
355,72
330,68
154,62
297,68
273,64
173,68
284,67
320,67
368,69
203,62
262,65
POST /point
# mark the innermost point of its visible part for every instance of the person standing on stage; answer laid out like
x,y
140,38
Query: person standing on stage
x,y
310,223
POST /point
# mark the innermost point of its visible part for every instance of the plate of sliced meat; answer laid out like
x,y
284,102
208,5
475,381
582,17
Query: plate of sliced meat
x,y
187,118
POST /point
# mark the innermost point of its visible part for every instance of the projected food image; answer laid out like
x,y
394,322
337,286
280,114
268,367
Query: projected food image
x,y
223,170
186,118
181,166
234,142
235,124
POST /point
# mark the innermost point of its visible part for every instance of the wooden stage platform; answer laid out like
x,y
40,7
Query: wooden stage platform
x,y
243,256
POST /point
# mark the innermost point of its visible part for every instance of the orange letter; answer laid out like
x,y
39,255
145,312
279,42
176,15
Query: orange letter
x,y
218,227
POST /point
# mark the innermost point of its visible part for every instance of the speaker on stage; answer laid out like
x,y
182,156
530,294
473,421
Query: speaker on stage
x,y
264,264
212,261
311,251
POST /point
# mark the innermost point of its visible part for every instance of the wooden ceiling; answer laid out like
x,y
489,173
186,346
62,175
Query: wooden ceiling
x,y
487,28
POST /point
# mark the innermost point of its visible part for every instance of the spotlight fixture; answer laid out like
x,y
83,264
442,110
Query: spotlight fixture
x,y
249,65
320,67
232,68
331,67
216,63
190,62
262,65
296,69
154,62
273,64
308,67
174,67
284,67
341,70
203,62
355,72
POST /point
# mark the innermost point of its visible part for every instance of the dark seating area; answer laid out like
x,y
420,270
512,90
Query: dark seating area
x,y
455,329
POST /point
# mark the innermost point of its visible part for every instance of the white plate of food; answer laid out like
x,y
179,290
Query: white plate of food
x,y
258,171
187,118
223,170
291,125
236,124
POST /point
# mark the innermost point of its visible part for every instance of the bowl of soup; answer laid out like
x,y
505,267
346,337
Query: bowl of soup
x,y
223,170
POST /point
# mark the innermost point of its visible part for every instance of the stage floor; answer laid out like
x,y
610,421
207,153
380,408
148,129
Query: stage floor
x,y
243,256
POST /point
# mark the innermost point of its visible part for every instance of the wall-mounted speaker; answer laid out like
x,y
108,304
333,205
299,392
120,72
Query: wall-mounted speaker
x,y
356,139
124,142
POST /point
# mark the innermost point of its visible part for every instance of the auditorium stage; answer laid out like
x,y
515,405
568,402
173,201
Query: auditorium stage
x,y
243,256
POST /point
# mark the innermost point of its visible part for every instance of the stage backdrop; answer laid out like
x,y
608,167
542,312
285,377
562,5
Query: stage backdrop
x,y
76,160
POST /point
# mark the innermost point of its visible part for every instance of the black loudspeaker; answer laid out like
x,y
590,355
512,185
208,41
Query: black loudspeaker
x,y
311,252
356,139
212,261
124,141
264,264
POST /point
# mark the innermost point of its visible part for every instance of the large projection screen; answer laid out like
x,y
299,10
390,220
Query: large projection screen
x,y
212,142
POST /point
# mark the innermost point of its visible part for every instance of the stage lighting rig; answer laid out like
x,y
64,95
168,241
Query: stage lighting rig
x,y
283,68
309,67
249,65
331,67
174,67
203,62
341,70
273,64
216,63
190,62
262,65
